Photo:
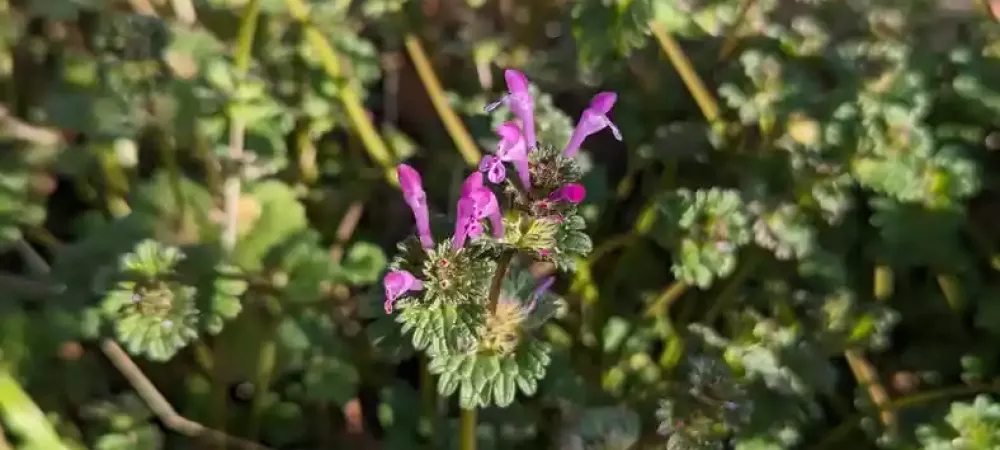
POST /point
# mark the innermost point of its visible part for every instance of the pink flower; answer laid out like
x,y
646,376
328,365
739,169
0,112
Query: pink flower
x,y
512,149
520,102
413,194
477,203
573,193
396,284
594,119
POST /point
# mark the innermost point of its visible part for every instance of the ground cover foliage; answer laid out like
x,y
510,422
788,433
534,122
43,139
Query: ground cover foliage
x,y
499,224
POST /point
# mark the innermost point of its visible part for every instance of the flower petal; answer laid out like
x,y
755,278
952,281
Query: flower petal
x,y
573,193
474,229
516,81
472,183
486,163
509,132
466,212
523,171
497,172
409,179
603,102
397,283
416,199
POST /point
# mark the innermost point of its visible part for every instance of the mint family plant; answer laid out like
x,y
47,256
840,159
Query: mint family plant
x,y
469,301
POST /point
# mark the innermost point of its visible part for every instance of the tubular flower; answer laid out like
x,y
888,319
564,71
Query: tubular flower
x,y
472,183
512,149
594,119
520,102
413,194
573,193
477,202
396,284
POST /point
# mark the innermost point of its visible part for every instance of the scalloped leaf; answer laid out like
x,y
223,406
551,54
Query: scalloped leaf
x,y
442,329
491,379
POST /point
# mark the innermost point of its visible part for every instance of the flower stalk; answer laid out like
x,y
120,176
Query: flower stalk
x,y
497,284
467,429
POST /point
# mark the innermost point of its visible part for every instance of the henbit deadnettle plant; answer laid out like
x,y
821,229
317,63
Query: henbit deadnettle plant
x,y
469,302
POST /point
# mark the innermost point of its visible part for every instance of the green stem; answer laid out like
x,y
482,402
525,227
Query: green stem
x,y
951,288
667,298
729,291
497,285
168,157
244,44
265,368
115,179
884,283
459,134
231,188
23,416
237,127
356,113
732,38
429,398
706,102
467,429
906,402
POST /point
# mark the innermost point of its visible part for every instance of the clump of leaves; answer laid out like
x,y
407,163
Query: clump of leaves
x,y
157,309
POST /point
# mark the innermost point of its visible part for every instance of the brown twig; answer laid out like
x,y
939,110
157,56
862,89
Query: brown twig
x,y
863,370
155,401
143,7
21,130
346,229
185,12
159,405
502,265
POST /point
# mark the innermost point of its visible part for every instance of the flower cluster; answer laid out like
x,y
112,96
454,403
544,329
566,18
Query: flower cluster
x,y
541,218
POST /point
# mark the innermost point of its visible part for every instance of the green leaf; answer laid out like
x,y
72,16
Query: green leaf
x,y
274,216
364,263
23,416
490,379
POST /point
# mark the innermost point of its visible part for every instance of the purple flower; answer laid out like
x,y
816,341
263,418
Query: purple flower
x,y
396,284
477,203
520,103
594,119
510,149
573,193
539,290
413,194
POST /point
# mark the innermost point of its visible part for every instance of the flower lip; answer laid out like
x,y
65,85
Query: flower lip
x,y
509,131
494,169
472,183
594,118
397,283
